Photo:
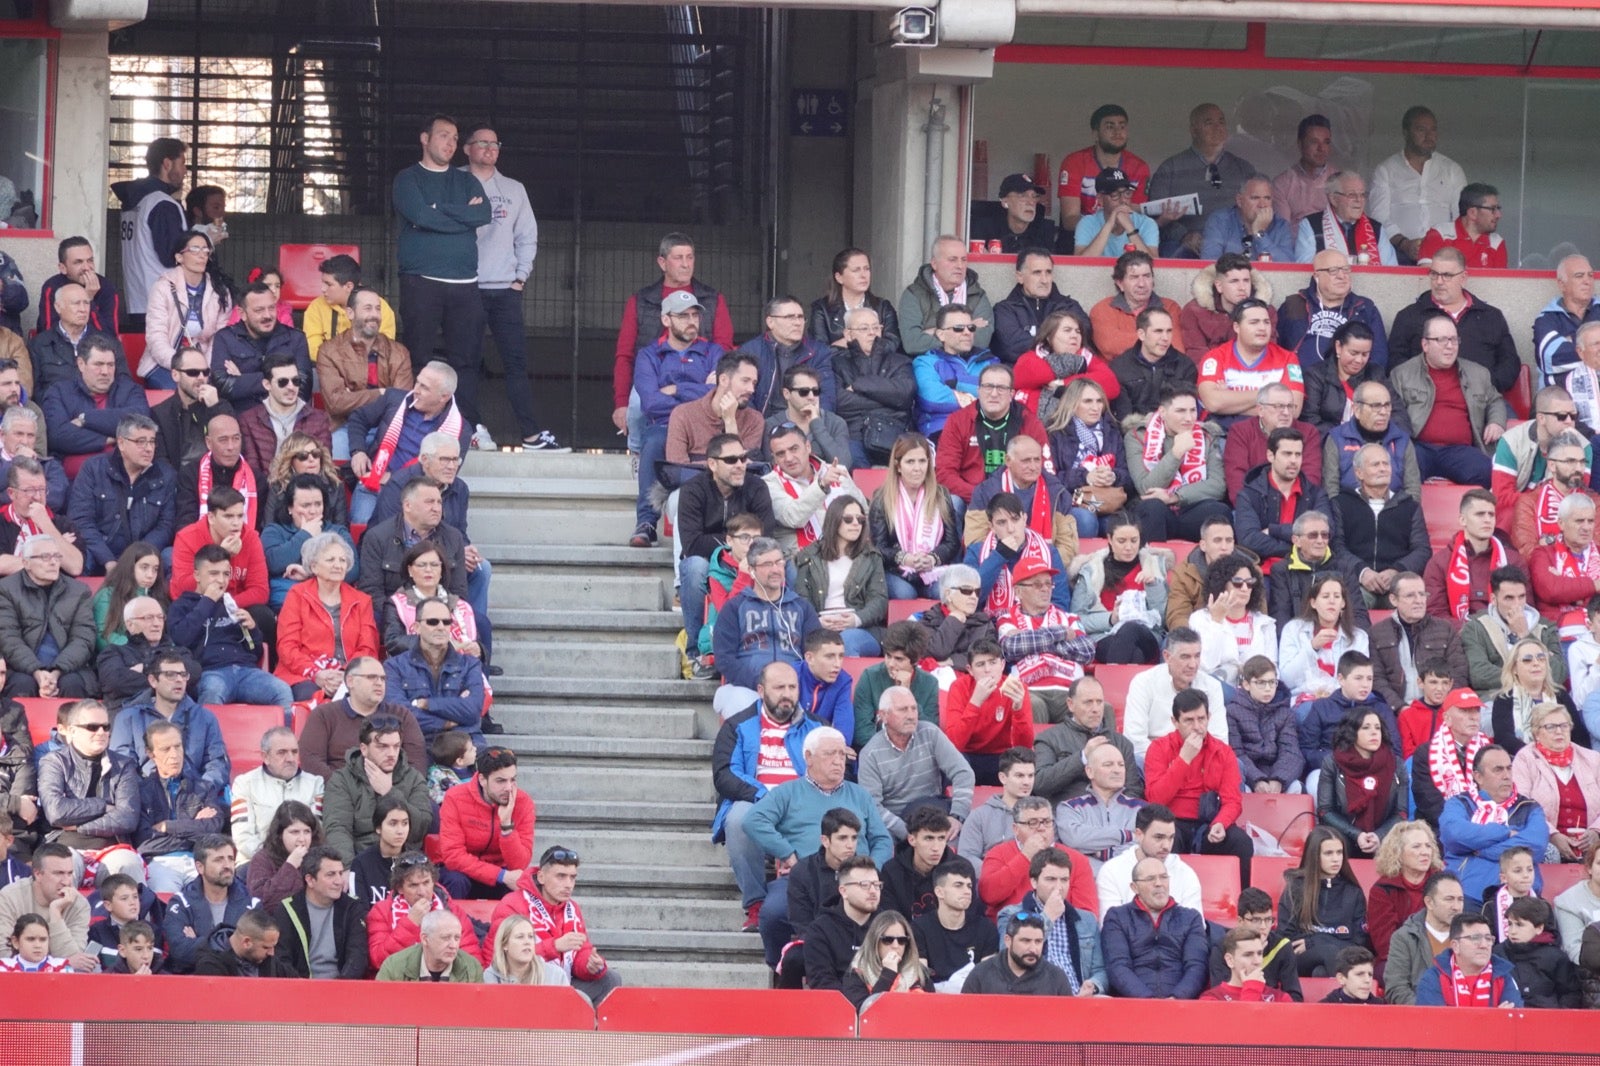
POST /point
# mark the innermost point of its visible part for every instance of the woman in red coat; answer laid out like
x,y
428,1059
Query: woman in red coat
x,y
325,622
1060,358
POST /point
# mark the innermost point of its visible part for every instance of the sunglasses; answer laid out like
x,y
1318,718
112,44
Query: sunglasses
x,y
433,621
1242,582
564,855
731,460
962,329
901,940
802,390
413,862
1532,658
966,590
1561,416
203,372
851,520
285,382
308,455
94,727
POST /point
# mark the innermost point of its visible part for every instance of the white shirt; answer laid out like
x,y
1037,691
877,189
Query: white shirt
x,y
1115,882
1410,203
1148,715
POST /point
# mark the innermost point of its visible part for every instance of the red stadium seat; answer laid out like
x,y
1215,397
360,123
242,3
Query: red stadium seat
x,y
155,396
301,268
132,352
74,463
869,479
299,715
433,847
1441,510
1520,398
479,909
900,610
1366,872
1558,877
1089,545
1219,886
1115,679
41,714
1287,818
855,666
1375,616
92,583
1267,875
1180,549
242,726
982,793
1316,989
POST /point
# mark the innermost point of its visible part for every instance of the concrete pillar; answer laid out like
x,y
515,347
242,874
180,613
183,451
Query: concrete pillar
x,y
82,134
815,195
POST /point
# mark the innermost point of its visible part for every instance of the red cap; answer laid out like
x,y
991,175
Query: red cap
x,y
1031,568
1463,698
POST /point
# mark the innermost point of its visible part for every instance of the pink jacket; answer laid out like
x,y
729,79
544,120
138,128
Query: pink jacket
x,y
1537,780
164,319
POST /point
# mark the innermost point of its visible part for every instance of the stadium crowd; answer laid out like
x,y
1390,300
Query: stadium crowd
x,y
1165,562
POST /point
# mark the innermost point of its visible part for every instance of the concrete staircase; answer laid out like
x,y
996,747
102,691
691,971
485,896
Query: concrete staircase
x,y
615,746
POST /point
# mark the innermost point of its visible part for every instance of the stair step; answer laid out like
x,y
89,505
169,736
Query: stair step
x,y
617,749
599,466
657,973
518,556
654,880
619,662
582,720
565,686
594,524
549,493
587,593
556,815
647,943
684,847
700,915
551,779
642,627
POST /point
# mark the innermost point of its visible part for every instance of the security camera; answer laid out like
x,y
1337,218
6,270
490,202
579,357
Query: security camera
x,y
915,27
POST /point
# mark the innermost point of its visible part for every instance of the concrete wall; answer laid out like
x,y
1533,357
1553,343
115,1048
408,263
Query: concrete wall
x,y
814,181
1089,281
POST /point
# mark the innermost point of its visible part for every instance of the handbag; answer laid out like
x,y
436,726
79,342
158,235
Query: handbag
x,y
1100,499
878,434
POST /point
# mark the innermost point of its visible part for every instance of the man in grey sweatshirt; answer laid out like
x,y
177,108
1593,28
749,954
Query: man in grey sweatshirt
x,y
506,247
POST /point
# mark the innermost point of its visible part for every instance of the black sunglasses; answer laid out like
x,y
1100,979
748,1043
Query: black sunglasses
x,y
280,382
805,390
203,372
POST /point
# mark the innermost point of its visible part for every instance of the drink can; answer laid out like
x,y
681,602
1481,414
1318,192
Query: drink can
x,y
1264,257
976,247
994,247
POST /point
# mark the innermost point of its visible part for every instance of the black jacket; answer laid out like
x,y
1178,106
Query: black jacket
x,y
911,893
944,951
830,946
827,323
249,354
1332,803
1485,338
180,813
1258,505
120,682
217,959
1341,911
950,639
349,932
1281,971
878,383
1142,381
1017,319
993,977
1288,586
55,360
1395,539
181,431
1545,974
383,559
948,550
1503,726
813,885
1426,800
1325,395
17,776
703,513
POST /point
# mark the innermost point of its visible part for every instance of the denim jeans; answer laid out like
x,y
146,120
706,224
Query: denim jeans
x,y
692,581
363,501
502,310
478,598
1459,464
160,378
636,422
652,450
745,856
1088,522
860,643
776,930
244,684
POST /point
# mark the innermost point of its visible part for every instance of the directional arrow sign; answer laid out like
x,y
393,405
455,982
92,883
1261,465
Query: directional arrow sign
x,y
819,112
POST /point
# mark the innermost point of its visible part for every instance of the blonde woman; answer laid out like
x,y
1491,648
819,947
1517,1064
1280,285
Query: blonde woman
x,y
516,957
1407,857
1525,682
913,521
887,961
301,453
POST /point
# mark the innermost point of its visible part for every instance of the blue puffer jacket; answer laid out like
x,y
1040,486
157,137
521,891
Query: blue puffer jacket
x,y
940,376
189,908
1348,440
751,633
1149,961
1472,851
204,752
455,699
733,760
71,399
111,514
1321,722
768,397
1436,988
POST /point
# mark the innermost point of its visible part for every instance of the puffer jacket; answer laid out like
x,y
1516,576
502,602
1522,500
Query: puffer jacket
x,y
1266,737
949,639
1203,324
1214,485
735,757
818,358
877,383
348,802
111,513
940,375
69,401
29,611
455,698
1341,911
865,590
1091,582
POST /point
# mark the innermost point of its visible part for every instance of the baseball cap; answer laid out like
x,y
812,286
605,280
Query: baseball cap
x,y
678,302
1111,179
1030,568
1020,183
1464,698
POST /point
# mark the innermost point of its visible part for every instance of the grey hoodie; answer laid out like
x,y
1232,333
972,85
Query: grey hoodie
x,y
989,824
508,243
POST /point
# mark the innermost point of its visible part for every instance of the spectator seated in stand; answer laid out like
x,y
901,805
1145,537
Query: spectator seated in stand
x,y
455,759
887,961
211,905
825,689
1184,769
246,354
1046,502
1311,646
989,823
1263,729
948,374
545,899
334,726
444,688
283,543
124,497
1420,719
118,910
1322,909
1278,970
1245,448
1148,712
1542,971
1477,826
1233,374
908,877
852,601
1563,568
165,698
515,959
1021,317
1406,859
1436,391
1310,319
1322,719
1383,530
300,454
138,573
1100,822
951,626
1233,624
877,388
322,932
825,433
90,795
442,953
386,434
1563,777
840,928
1487,638
182,418
223,635
945,281
285,411
1177,467
28,514
274,871
258,793
1473,236
1279,491
1086,440
1218,289
1469,974
1536,517
979,434
1062,770
83,413
50,897
1485,337
766,623
954,935
987,711
1243,951
1154,947
421,518
1060,360
353,790
1047,645
911,764
1009,545
23,434
486,827
903,651
326,622
781,347
46,627
1527,683
370,872
396,923
914,521
426,579
1114,320
1150,366
1348,400
1250,228
330,315
226,523
1004,879
1019,968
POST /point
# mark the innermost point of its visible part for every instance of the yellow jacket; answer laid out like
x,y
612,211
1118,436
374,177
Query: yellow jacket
x,y
323,322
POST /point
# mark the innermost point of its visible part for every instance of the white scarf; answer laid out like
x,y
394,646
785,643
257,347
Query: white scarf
x,y
916,535
539,915
1443,769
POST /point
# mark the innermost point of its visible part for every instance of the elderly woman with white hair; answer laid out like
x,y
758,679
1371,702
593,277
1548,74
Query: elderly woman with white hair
x,y
325,621
283,542
1565,572
957,621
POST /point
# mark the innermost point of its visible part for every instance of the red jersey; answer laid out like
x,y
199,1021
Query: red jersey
x,y
1485,251
1223,365
1079,170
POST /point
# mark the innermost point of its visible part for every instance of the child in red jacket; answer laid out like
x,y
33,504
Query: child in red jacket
x,y
987,711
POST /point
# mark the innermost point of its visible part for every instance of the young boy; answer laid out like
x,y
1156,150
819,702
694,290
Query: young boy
x,y
136,951
1277,956
824,686
328,315
11,867
1322,720
455,759
987,710
119,903
1419,721
727,576
1352,968
1543,971
1517,876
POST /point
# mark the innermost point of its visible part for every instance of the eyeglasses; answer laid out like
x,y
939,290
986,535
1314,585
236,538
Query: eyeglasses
x,y
1264,682
806,390
448,460
174,675
797,317
1448,342
1315,534
962,329
901,940
1557,727
1242,582
486,144
94,727
433,621
1439,275
1038,823
202,372
1387,405
731,460
995,388
743,538
967,590
427,564
1561,416
286,382
870,886
198,250
1493,209
1475,938
366,677
47,557
852,519
1333,272
141,442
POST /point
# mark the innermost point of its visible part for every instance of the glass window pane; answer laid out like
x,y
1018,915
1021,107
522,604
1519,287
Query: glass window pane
x,y
1130,33
24,69
1400,44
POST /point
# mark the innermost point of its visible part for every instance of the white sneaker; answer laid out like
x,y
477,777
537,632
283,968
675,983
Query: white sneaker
x,y
543,441
482,440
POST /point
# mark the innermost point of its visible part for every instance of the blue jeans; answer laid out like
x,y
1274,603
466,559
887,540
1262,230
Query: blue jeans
x,y
363,501
636,422
860,643
775,928
1088,522
341,444
692,582
502,308
1459,464
745,856
478,598
901,589
652,450
160,378
244,684
859,459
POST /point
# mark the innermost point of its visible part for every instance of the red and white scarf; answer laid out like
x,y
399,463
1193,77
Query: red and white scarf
x,y
917,534
1191,468
808,533
400,910
391,439
1502,903
546,926
1558,759
1487,812
1446,773
48,964
1364,241
1564,562
248,489
26,529
1471,991
1545,506
1002,597
1044,670
1041,517
1458,575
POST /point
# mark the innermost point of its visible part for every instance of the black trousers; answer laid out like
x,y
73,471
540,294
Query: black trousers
x,y
1235,842
1133,643
430,308
1159,522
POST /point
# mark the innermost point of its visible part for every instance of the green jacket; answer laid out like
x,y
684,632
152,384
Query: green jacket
x,y
1486,642
406,965
866,592
348,802
871,686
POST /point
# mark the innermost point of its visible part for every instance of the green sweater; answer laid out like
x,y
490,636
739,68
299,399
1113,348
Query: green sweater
x,y
871,686
406,965
438,227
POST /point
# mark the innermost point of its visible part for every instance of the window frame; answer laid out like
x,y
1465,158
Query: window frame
x,y
40,29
